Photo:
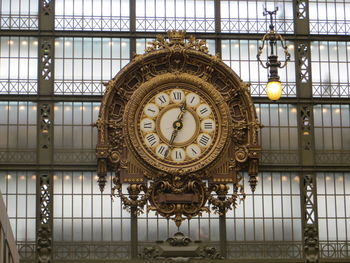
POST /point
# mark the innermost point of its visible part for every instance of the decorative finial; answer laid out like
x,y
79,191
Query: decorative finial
x,y
176,36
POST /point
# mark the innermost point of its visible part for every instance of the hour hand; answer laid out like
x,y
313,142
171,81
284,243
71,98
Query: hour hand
x,y
183,110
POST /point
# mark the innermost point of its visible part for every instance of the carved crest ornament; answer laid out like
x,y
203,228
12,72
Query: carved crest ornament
x,y
178,126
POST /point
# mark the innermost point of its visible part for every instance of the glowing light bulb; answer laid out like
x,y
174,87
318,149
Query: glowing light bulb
x,y
274,90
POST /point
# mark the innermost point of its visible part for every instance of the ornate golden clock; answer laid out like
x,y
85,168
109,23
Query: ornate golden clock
x,y
178,125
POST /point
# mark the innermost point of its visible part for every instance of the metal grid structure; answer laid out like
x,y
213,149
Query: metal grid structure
x,y
87,15
279,137
19,15
329,17
332,133
246,16
18,62
82,64
329,59
45,126
75,138
18,132
333,204
18,190
163,15
240,55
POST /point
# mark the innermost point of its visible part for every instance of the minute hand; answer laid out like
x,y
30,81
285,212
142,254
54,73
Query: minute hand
x,y
177,125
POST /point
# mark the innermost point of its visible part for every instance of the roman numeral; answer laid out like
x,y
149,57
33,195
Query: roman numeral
x,y
204,110
177,95
193,151
147,125
192,99
178,155
204,140
161,150
208,125
151,110
162,99
151,139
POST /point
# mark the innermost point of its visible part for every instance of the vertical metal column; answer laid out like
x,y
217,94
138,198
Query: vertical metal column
x,y
133,214
223,235
222,217
44,210
217,12
306,134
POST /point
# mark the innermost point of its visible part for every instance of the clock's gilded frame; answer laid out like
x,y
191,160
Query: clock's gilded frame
x,y
150,88
178,192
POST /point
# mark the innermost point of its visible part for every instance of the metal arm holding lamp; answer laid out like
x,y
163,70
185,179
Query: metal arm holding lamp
x,y
273,87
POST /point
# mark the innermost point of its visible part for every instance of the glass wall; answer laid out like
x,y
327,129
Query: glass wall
x,y
240,55
19,14
18,132
329,17
19,65
247,16
75,138
92,15
18,190
83,64
162,15
330,69
333,199
93,40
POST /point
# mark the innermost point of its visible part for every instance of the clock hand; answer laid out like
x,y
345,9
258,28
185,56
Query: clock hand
x,y
183,110
173,136
177,125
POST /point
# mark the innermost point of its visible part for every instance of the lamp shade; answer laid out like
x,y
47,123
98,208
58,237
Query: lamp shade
x,y
274,90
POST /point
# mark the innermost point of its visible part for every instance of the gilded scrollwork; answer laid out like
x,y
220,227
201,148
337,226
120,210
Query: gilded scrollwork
x,y
172,191
178,196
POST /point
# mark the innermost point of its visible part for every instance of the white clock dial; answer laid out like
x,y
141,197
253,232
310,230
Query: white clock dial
x,y
185,133
161,150
192,100
177,96
203,110
178,126
151,110
208,125
204,140
162,99
193,151
178,154
147,125
152,139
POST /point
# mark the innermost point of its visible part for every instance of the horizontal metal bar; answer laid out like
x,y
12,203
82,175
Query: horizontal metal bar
x,y
140,34
91,167
98,98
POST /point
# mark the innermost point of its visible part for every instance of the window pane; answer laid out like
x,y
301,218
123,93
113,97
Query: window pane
x,y
18,65
96,15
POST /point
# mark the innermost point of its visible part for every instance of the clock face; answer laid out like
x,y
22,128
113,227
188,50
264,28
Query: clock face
x,y
177,126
